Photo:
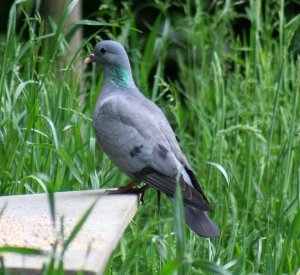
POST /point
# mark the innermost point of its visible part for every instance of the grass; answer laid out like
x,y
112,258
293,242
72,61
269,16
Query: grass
x,y
234,105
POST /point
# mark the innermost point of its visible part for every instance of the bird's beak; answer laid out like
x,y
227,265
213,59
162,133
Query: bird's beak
x,y
89,59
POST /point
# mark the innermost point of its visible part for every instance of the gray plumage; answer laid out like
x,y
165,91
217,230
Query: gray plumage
x,y
138,138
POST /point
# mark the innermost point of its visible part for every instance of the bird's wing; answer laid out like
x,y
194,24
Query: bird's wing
x,y
167,185
166,128
131,135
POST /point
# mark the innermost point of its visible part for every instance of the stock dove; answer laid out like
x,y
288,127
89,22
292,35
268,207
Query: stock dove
x,y
137,137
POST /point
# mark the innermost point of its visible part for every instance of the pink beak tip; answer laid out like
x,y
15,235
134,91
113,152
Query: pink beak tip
x,y
89,59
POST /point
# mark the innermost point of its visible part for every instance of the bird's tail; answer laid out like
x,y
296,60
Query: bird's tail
x,y
200,222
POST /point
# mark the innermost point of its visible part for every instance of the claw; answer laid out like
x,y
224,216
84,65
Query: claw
x,y
122,189
130,188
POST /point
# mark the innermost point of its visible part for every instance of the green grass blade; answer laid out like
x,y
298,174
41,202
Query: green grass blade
x,y
210,268
21,250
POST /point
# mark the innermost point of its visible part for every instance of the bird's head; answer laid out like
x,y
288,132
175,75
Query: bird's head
x,y
108,52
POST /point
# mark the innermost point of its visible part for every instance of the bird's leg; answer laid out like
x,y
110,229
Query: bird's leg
x,y
123,189
142,190
130,188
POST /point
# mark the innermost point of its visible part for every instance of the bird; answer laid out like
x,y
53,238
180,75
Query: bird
x,y
137,137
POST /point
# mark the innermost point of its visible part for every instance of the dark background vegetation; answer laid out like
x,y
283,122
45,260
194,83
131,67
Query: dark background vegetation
x,y
146,12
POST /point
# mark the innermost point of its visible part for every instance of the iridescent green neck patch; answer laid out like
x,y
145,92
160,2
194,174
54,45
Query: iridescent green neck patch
x,y
120,77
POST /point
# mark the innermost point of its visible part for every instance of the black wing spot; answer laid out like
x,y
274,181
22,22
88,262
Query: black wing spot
x,y
136,150
162,151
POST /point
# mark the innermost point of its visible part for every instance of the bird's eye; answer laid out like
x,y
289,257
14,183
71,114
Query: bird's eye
x,y
102,50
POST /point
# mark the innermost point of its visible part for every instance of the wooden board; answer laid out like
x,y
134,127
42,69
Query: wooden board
x,y
26,222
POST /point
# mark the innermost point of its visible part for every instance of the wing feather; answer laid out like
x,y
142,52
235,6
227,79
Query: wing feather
x,y
167,185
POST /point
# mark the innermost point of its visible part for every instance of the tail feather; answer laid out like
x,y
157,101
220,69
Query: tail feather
x,y
200,222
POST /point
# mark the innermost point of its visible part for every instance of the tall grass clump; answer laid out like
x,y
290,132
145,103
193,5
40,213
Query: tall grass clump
x,y
231,96
44,140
